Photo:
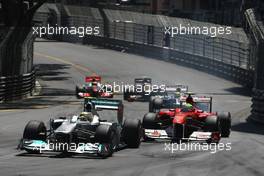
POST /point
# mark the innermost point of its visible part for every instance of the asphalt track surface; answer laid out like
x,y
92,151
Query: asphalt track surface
x,y
62,65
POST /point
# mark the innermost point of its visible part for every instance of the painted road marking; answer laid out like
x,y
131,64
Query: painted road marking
x,y
76,66
10,110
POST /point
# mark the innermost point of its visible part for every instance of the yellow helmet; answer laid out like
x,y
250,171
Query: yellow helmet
x,y
86,116
178,93
83,114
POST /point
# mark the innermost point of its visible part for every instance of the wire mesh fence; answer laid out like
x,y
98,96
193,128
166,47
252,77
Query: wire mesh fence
x,y
149,29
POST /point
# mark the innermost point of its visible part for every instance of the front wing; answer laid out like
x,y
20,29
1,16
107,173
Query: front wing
x,y
167,134
39,146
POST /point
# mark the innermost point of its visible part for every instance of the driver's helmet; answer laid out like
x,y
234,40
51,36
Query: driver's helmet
x,y
94,83
94,86
187,107
86,116
88,107
177,94
89,84
189,100
178,89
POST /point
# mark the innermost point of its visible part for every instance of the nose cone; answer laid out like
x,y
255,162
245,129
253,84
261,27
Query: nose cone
x,y
179,119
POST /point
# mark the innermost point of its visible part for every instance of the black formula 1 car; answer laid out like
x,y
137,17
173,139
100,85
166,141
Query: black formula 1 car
x,y
86,133
140,91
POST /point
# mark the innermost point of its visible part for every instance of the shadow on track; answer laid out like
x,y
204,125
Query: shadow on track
x,y
60,155
50,72
240,91
54,89
249,127
37,102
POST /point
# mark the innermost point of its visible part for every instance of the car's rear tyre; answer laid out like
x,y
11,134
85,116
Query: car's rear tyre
x,y
126,94
146,97
132,130
151,108
35,130
150,121
157,103
225,123
77,91
212,124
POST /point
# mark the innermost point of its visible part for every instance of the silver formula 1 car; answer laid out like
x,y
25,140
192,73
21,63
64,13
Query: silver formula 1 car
x,y
86,133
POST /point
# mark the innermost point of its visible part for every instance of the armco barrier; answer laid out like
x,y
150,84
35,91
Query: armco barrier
x,y
16,87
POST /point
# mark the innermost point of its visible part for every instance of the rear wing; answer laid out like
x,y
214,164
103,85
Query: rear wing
x,y
94,78
177,88
142,80
198,100
107,104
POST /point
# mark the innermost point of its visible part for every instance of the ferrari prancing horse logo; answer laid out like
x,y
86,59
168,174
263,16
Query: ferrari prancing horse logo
x,y
156,133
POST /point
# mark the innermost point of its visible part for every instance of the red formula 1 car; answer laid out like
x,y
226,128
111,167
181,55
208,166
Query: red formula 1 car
x,y
94,88
188,123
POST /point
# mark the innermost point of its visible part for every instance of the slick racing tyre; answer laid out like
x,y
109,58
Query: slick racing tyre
x,y
107,136
151,108
150,121
212,124
132,130
77,91
157,103
126,94
103,133
35,130
225,123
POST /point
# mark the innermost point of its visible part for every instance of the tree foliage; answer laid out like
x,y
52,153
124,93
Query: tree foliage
x,y
16,48
19,12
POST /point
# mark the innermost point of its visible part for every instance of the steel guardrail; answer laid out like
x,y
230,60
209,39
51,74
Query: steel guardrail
x,y
15,87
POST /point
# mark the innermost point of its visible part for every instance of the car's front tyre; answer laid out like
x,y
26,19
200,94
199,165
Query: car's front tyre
x,y
132,130
225,123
